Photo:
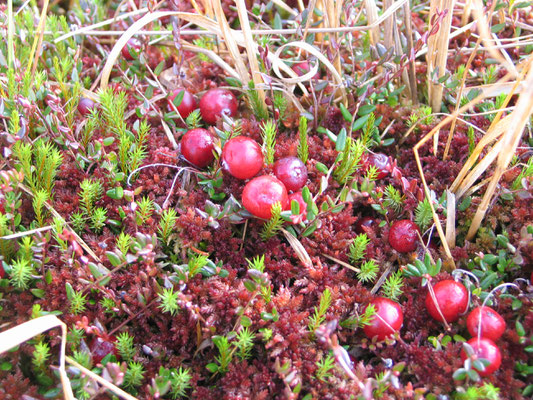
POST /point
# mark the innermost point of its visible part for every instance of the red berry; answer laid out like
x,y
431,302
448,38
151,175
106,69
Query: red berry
x,y
242,157
302,68
216,102
188,102
485,348
362,225
378,160
387,320
100,348
197,147
452,298
85,105
292,172
2,272
261,193
492,323
296,219
403,235
132,47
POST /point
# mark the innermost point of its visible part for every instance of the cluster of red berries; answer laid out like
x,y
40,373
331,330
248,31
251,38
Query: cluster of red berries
x,y
483,323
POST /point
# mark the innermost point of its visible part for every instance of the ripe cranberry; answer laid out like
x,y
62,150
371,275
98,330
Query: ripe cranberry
x,y
292,172
296,219
378,160
85,105
403,235
261,193
129,52
188,102
101,347
302,68
216,102
492,323
3,271
197,147
387,320
242,157
452,298
485,348
364,224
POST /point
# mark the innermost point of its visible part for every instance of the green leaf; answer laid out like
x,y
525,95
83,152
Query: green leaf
x,y
108,141
70,291
250,285
345,113
366,109
497,28
116,193
340,144
360,122
245,321
321,168
212,367
113,258
159,68
39,293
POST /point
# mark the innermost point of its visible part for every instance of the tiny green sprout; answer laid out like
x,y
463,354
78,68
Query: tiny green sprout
x,y
167,222
125,346
324,366
145,209
244,342
134,375
274,224
423,214
124,242
268,133
20,272
393,198
169,301
98,219
392,288
41,354
319,315
196,263
358,247
368,271
303,147
77,300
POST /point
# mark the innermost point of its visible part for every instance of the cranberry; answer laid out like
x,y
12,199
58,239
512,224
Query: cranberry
x,y
188,102
485,348
492,323
216,102
452,298
378,160
296,219
129,52
302,68
403,235
292,172
261,193
197,147
85,105
101,347
362,225
3,271
387,320
242,157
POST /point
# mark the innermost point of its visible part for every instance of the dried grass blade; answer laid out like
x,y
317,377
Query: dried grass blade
x,y
450,219
344,264
372,16
37,41
108,385
231,42
25,331
510,140
298,248
250,49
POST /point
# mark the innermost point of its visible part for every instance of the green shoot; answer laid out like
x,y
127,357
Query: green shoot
x,y
125,347
257,263
319,316
526,172
393,198
169,301
256,104
77,220
369,130
123,242
423,214
280,104
392,288
244,342
194,119
98,219
350,158
166,224
134,375
324,366
59,226
358,247
196,263
108,305
145,209
179,382
40,197
274,224
303,147
77,300
91,192
368,271
40,356
82,357
268,133
361,320
21,271
224,357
